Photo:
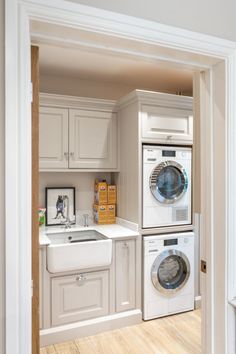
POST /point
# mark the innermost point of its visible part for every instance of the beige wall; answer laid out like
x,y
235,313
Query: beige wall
x,y
214,17
65,85
2,314
82,181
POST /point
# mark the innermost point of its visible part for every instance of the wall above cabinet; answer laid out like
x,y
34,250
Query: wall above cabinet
x,y
77,134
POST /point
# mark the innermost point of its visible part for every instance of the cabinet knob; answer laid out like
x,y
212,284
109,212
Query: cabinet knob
x,y
80,278
169,137
72,154
66,155
125,245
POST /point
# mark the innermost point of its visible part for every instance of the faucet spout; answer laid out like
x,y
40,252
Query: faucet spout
x,y
67,222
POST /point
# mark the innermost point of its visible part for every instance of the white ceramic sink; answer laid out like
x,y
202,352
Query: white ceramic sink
x,y
74,250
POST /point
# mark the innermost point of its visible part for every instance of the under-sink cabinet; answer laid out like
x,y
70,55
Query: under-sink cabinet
x,y
80,296
86,294
77,133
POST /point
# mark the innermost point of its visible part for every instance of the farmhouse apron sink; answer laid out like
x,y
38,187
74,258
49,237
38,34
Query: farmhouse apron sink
x,y
75,250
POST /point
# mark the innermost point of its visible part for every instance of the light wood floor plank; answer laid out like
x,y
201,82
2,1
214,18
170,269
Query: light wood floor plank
x,y
50,350
67,347
43,351
178,334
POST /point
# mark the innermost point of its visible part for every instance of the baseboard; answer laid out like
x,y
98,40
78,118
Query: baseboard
x,y
197,302
90,327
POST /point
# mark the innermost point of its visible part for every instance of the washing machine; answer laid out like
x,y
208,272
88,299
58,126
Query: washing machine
x,y
166,186
168,274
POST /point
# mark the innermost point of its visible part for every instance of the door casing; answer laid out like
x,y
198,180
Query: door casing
x,y
215,57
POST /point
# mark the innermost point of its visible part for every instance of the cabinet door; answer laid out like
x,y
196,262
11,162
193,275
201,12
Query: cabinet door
x,y
167,124
53,138
79,297
93,139
125,275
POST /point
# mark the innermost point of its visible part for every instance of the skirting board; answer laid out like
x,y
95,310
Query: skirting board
x,y
197,302
90,327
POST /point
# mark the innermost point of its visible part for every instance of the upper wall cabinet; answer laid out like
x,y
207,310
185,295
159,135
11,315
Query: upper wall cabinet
x,y
53,137
162,118
77,133
92,139
166,124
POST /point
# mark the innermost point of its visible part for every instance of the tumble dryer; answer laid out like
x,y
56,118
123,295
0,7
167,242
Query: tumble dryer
x,y
168,274
166,186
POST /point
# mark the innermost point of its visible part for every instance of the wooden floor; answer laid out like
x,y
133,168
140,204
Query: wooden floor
x,y
178,334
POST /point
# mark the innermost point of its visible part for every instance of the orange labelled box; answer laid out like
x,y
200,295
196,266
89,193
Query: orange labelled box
x,y
111,194
100,213
111,212
104,214
100,193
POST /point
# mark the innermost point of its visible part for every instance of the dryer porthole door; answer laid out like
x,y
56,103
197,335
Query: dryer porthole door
x,y
170,272
168,182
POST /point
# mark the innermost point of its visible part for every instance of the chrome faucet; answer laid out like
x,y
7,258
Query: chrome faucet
x,y
86,218
68,222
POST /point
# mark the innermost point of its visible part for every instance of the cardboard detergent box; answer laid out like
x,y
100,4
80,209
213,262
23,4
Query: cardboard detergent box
x,y
100,192
111,213
104,214
111,194
100,213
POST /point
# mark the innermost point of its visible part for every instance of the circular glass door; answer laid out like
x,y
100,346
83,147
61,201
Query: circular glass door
x,y
168,182
170,272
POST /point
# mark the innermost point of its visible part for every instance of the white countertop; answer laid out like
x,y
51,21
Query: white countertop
x,y
121,229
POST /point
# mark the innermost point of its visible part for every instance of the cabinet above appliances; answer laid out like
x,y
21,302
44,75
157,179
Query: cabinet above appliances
x,y
163,118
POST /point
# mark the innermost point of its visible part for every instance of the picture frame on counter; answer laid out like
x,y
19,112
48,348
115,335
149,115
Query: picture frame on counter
x,y
60,205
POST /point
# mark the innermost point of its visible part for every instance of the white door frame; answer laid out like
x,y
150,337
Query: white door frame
x,y
194,49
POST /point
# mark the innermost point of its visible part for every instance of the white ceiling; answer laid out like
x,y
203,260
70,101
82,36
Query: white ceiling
x,y
105,66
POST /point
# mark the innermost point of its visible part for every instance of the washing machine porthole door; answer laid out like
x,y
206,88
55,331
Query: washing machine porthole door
x,y
168,182
170,272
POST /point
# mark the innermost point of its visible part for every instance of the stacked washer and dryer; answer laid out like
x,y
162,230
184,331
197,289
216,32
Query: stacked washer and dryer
x,y
158,128
168,258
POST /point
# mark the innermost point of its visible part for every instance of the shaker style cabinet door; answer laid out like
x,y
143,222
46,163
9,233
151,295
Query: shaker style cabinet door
x,y
53,138
92,139
79,297
125,275
166,124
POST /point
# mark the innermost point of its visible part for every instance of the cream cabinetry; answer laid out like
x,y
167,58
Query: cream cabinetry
x,y
147,118
40,288
53,137
125,275
89,299
92,139
166,124
160,118
77,133
79,297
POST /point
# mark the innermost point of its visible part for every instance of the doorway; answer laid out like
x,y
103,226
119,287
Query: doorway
x,y
210,61
95,75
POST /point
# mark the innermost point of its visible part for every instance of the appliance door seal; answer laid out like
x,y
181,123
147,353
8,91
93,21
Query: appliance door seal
x,y
170,272
168,182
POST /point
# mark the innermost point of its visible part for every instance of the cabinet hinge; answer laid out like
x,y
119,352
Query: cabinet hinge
x,y
203,266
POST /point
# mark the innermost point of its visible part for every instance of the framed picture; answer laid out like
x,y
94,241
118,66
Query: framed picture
x,y
60,205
